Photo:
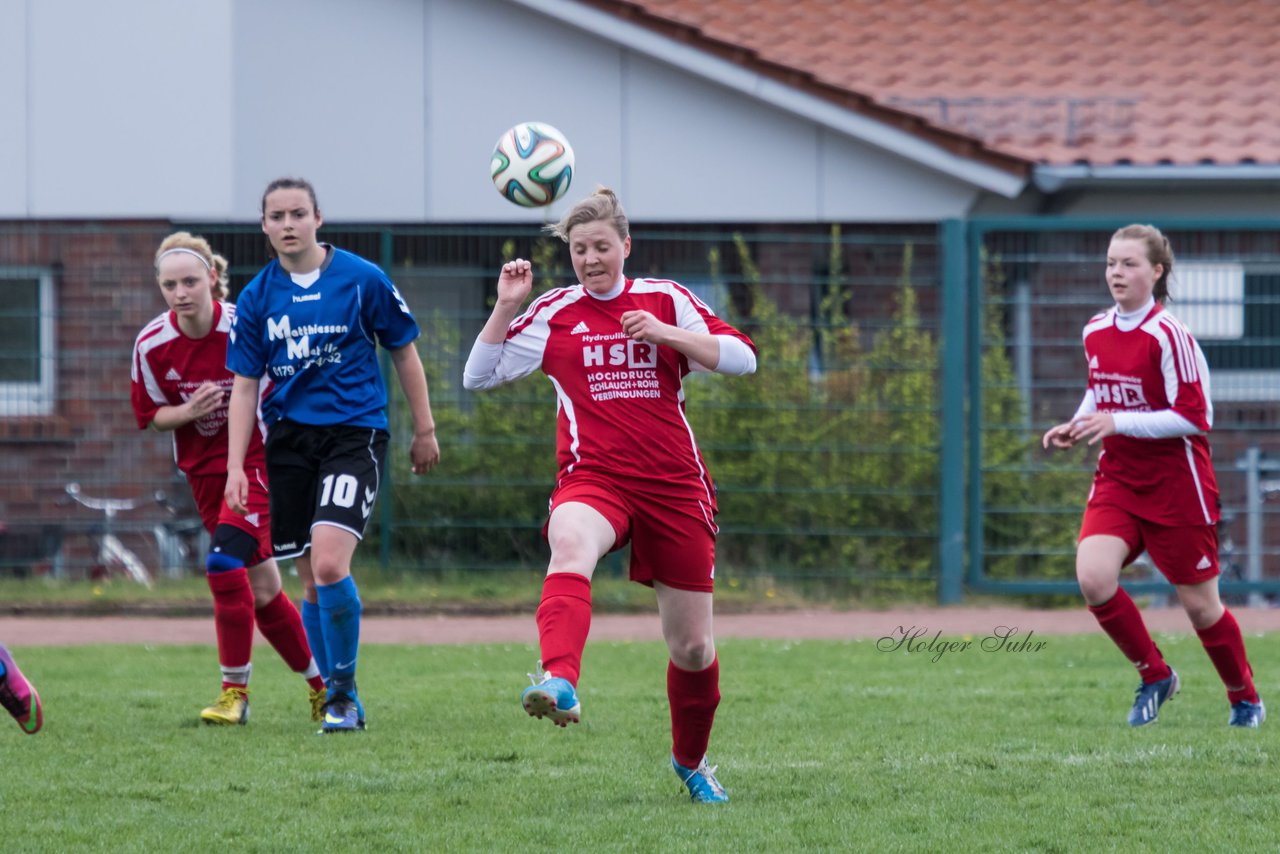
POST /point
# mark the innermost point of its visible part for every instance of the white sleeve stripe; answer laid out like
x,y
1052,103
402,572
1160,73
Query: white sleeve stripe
x,y
1099,321
1168,357
1184,354
1186,359
1169,337
155,333
536,306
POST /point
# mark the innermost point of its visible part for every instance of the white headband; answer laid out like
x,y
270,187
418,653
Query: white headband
x,y
178,249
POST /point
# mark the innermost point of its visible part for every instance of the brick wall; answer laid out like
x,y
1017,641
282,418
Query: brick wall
x,y
104,293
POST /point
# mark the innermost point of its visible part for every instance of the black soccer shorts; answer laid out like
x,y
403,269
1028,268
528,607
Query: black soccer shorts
x,y
321,475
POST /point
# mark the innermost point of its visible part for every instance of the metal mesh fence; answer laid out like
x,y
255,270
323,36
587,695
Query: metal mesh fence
x,y
1041,284
826,460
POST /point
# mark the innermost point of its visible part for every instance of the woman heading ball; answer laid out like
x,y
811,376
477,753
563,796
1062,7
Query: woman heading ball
x,y
616,350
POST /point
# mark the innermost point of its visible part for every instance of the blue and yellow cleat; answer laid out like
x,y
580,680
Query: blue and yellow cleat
x,y
342,714
18,696
703,786
1150,697
551,697
1248,715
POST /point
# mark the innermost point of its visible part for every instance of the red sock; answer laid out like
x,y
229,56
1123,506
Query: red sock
x,y
233,619
281,624
694,696
1225,646
1120,619
564,619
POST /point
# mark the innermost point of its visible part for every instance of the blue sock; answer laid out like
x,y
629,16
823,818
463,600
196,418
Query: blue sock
x,y
3,671
315,637
340,614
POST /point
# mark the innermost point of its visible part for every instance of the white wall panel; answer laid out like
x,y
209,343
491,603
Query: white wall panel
x,y
694,150
491,65
860,183
13,108
129,108
187,108
333,91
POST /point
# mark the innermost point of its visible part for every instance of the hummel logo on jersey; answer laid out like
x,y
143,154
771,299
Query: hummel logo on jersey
x,y
173,376
581,328
1204,563
1093,363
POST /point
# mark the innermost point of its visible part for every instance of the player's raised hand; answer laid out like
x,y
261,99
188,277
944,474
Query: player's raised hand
x,y
643,326
515,280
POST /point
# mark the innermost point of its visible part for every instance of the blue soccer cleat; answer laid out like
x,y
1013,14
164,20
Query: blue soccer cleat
x,y
704,788
342,714
1246,714
551,697
359,710
1150,697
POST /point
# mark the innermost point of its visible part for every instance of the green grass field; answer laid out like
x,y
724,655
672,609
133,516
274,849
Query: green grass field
x,y
822,746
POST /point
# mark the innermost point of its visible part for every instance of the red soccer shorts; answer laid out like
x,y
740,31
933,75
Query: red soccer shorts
x,y
1185,554
673,540
209,491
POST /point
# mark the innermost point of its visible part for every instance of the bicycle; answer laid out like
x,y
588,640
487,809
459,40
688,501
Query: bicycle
x,y
111,552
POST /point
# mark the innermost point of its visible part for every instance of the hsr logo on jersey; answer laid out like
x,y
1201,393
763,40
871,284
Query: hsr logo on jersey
x,y
629,354
1126,394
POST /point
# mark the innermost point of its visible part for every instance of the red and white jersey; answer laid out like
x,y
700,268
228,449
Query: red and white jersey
x,y
1153,367
620,403
168,367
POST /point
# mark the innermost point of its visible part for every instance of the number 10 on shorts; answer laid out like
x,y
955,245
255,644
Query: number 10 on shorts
x,y
341,489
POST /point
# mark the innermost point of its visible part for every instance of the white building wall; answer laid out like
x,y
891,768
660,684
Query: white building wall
x,y
187,108
13,108
128,109
333,91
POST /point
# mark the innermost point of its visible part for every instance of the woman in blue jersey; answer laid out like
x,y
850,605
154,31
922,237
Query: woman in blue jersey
x,y
311,322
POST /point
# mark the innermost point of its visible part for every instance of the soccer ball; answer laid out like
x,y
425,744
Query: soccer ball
x,y
532,164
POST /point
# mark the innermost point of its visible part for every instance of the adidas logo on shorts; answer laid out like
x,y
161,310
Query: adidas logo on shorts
x,y
1204,563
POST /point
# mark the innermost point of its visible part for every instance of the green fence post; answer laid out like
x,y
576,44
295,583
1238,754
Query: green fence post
x,y
951,484
974,308
386,514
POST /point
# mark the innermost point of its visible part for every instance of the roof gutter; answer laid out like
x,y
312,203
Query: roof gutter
x,y
1052,179
633,37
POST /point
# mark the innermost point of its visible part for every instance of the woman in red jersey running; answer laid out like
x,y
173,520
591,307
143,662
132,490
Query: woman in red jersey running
x,y
180,385
1148,403
616,350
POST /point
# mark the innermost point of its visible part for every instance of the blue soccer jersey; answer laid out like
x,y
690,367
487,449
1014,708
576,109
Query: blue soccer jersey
x,y
317,341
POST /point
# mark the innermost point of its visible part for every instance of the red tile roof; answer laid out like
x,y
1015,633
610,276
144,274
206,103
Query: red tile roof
x,y
1102,82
